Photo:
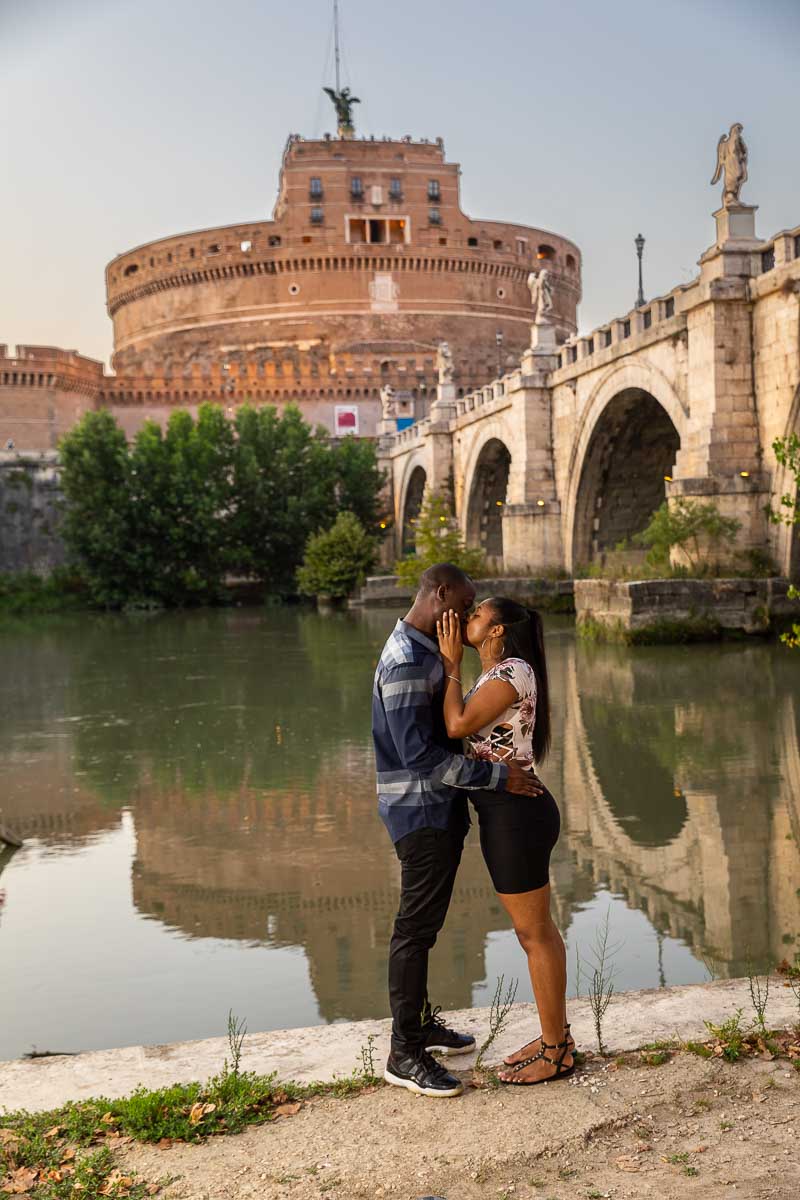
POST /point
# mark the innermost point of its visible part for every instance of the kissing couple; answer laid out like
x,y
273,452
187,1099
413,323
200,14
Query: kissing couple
x,y
434,748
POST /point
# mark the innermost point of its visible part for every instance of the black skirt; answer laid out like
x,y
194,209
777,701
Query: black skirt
x,y
517,835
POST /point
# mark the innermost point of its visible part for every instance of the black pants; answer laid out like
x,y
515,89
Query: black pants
x,y
429,860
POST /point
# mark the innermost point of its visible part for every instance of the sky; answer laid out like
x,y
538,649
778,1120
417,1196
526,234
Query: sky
x,y
128,120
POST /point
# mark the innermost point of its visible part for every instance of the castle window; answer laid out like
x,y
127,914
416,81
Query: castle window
x,y
647,319
433,189
472,241
522,245
396,189
546,252
497,244
274,239
768,259
169,257
434,216
606,337
152,262
191,252
356,188
315,188
131,270
669,307
317,216
213,248
442,241
626,329
245,247
571,262
377,231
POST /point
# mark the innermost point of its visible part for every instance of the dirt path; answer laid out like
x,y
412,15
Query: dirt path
x,y
691,1127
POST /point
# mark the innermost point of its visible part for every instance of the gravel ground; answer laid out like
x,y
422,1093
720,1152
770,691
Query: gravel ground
x,y
690,1127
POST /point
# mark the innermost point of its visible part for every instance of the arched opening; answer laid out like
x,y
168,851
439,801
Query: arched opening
x,y
631,451
487,499
411,509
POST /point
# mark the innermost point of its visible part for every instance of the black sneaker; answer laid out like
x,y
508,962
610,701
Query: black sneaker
x,y
421,1074
441,1040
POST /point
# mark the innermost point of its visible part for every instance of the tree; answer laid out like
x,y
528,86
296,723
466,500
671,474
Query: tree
x,y
438,539
358,479
337,561
689,526
787,453
95,479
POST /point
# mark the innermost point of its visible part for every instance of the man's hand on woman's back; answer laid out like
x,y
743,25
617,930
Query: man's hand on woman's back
x,y
522,781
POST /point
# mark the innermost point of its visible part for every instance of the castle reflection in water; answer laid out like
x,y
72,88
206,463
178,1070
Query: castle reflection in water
x,y
239,742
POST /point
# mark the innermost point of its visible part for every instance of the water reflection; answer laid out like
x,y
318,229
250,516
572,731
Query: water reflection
x,y
235,747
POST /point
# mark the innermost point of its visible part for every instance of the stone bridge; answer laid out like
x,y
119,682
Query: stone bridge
x,y
554,463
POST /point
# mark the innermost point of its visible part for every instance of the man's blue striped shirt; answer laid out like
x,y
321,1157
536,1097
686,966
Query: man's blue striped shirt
x,y
422,777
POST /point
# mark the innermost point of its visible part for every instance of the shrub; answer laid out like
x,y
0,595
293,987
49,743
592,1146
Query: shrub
x,y
438,539
337,562
688,526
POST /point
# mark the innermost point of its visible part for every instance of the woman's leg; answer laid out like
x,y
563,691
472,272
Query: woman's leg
x,y
547,963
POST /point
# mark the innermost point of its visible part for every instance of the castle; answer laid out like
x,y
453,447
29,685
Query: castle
x,y
367,265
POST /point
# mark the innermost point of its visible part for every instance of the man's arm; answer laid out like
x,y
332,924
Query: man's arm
x,y
407,694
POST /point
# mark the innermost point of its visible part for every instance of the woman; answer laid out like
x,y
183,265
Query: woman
x,y
506,715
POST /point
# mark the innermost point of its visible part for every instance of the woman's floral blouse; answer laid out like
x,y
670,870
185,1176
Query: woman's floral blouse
x,y
511,734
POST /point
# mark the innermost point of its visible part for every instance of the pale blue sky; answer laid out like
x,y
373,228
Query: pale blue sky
x,y
127,120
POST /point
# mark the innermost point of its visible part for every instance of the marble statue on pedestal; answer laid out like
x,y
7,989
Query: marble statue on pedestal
x,y
444,363
388,404
731,165
541,291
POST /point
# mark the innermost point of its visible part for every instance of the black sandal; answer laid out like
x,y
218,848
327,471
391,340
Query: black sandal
x,y
567,1031
562,1072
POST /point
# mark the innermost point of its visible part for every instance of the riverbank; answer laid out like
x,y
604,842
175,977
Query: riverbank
x,y
324,1052
631,1124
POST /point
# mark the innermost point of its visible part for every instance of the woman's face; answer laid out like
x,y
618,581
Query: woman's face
x,y
481,624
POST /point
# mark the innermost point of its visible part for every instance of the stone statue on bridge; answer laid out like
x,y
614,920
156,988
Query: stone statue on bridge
x,y
388,403
541,290
731,165
444,363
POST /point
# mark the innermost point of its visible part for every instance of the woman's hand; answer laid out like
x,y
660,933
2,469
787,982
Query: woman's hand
x,y
448,631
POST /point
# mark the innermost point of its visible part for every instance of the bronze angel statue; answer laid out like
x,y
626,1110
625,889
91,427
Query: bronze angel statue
x,y
731,165
343,103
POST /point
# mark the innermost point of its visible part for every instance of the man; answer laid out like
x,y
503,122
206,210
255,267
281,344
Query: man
x,y
422,784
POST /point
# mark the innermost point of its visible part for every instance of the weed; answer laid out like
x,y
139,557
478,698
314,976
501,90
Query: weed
x,y
725,1126
759,995
710,965
655,1054
691,1171
729,1037
678,1159
236,1033
367,1057
703,1104
699,1048
643,1132
593,1194
566,1173
498,1015
601,986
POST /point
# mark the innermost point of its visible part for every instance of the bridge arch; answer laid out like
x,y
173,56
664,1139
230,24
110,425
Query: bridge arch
x,y
627,440
486,485
411,495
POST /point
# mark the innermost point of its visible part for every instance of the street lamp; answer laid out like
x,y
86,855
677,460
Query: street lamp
x,y
639,243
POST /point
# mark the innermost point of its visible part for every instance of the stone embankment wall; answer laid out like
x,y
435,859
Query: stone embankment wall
x,y
30,500
553,595
633,610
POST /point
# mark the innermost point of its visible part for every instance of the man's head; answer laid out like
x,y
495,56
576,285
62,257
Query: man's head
x,y
442,587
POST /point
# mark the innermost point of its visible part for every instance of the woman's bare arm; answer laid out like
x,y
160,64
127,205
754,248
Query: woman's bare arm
x,y
489,702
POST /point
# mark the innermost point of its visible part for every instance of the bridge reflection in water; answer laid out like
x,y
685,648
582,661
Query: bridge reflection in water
x,y
238,743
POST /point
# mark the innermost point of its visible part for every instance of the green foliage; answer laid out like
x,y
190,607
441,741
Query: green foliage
x,y
164,521
27,592
688,526
787,452
337,562
438,539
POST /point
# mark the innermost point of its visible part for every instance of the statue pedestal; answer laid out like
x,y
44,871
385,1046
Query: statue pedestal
x,y
736,223
543,338
443,407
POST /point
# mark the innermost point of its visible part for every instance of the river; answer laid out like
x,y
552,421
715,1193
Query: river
x,y
197,797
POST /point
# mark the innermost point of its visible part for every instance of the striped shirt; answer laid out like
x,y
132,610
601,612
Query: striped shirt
x,y
422,776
